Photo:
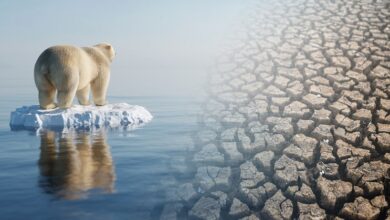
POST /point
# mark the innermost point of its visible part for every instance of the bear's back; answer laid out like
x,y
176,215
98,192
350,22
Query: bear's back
x,y
62,54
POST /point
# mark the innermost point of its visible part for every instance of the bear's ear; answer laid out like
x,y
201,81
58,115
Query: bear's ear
x,y
108,47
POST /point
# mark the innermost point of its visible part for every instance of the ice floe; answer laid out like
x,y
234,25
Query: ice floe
x,y
78,116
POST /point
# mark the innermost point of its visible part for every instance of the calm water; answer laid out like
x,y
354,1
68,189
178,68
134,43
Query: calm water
x,y
99,175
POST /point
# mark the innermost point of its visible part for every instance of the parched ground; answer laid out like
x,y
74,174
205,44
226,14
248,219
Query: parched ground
x,y
297,124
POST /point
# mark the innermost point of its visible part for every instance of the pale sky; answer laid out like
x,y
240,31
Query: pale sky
x,y
163,47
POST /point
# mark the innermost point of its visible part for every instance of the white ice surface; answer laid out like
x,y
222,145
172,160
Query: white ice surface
x,y
110,115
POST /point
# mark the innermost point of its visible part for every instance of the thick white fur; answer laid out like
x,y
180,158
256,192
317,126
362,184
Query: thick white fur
x,y
73,71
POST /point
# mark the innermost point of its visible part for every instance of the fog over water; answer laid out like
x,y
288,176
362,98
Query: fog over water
x,y
163,47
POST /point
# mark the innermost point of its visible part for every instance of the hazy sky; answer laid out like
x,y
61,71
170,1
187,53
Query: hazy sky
x,y
163,47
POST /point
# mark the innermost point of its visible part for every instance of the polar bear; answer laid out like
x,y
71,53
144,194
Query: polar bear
x,y
69,71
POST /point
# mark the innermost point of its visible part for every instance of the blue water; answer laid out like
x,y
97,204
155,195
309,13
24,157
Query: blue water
x,y
102,175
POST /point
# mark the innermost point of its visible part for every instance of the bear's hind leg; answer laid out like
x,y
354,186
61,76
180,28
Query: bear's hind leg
x,y
99,89
46,98
46,91
65,98
83,95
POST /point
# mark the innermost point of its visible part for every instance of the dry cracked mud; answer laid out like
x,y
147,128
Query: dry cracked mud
x,y
297,122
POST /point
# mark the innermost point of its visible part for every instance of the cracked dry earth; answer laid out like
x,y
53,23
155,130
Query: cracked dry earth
x,y
297,123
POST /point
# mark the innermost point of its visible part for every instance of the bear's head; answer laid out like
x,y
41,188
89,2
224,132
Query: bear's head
x,y
107,50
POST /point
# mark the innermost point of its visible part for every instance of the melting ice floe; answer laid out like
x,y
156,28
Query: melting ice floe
x,y
110,115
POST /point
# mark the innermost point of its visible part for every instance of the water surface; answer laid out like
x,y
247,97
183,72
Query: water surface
x,y
105,174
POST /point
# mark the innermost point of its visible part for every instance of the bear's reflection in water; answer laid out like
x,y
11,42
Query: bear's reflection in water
x,y
73,164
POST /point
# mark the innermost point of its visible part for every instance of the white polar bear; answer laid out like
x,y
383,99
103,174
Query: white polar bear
x,y
71,71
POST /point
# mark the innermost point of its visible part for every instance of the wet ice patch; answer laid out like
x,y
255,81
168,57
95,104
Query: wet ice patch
x,y
110,115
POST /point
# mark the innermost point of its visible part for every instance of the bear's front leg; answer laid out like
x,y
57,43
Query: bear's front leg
x,y
83,95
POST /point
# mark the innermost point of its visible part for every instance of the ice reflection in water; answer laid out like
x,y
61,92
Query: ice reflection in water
x,y
72,164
